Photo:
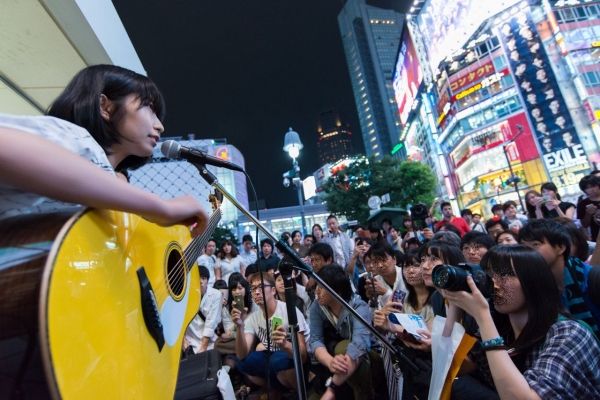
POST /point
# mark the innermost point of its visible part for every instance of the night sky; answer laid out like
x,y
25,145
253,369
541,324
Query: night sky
x,y
247,71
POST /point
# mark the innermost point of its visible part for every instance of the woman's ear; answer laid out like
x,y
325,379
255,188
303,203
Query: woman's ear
x,y
106,107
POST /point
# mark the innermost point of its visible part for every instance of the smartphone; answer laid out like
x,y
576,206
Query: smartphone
x,y
589,206
546,198
275,322
399,296
239,303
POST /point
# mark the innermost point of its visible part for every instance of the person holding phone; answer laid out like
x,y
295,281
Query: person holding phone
x,y
261,340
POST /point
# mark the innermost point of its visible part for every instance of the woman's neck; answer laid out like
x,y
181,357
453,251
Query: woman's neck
x,y
518,321
422,294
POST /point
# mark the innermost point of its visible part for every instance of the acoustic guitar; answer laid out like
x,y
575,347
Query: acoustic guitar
x,y
94,304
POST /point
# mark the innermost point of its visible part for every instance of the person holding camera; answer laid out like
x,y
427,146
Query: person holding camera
x,y
532,345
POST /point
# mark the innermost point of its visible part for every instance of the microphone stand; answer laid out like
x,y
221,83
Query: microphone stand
x,y
307,269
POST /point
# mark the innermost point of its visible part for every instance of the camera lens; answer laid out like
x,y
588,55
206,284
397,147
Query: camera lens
x,y
450,278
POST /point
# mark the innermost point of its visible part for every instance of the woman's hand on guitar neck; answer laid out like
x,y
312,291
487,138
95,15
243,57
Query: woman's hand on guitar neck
x,y
182,210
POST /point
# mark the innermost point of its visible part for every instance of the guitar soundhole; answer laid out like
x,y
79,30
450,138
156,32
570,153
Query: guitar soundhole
x,y
176,273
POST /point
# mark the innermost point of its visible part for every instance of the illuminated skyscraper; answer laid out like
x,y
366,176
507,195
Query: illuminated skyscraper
x,y
335,140
371,38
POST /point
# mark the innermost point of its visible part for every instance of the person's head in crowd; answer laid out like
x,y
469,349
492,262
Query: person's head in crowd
x,y
250,269
332,225
474,245
447,236
446,209
320,255
476,218
210,247
498,210
590,185
509,209
287,238
407,222
204,277
221,286
467,215
399,256
413,243
256,288
549,238
448,227
595,172
523,282
382,258
438,252
359,231
280,284
317,232
228,250
375,232
394,234
296,237
412,274
531,199
308,240
579,245
334,276
550,189
238,286
266,245
507,238
366,244
386,224
495,226
247,243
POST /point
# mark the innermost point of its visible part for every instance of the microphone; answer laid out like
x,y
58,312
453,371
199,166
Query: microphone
x,y
172,149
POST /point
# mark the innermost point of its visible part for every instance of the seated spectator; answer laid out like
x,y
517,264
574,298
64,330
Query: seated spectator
x,y
252,357
297,246
540,345
507,238
301,298
477,225
447,236
268,260
320,254
413,244
356,266
588,208
579,244
338,341
510,216
247,253
221,286
375,233
554,206
494,227
474,245
552,241
200,333
388,277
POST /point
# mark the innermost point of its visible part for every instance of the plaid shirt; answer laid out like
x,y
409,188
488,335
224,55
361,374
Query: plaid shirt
x,y
566,365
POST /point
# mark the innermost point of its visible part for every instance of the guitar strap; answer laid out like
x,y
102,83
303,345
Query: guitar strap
x,y
201,315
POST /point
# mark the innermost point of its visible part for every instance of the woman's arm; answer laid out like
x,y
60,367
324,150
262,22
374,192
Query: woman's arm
x,y
60,174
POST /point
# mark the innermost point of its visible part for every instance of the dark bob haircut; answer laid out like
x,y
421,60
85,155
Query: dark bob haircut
x,y
335,277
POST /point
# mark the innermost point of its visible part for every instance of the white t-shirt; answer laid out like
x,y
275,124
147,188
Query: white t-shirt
x,y
209,263
199,328
66,134
256,325
399,284
228,267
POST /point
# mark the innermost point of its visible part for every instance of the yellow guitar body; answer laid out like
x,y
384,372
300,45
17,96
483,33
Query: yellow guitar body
x,y
92,328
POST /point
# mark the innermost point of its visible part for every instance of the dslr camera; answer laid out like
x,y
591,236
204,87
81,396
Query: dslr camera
x,y
454,278
419,212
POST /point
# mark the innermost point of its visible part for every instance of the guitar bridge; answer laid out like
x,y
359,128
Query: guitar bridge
x,y
150,309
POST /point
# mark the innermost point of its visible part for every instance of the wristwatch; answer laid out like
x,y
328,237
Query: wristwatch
x,y
329,383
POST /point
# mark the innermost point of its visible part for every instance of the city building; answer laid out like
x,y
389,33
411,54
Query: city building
x,y
335,138
371,37
508,101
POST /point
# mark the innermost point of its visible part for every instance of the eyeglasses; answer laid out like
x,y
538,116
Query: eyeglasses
x,y
255,288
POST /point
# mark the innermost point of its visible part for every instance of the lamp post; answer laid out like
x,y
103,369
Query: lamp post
x,y
513,178
293,145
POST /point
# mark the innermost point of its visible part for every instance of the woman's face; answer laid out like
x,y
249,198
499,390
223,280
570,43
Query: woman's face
x,y
530,199
226,248
317,232
413,274
140,129
550,193
279,284
506,239
428,263
297,238
374,235
508,294
239,290
407,224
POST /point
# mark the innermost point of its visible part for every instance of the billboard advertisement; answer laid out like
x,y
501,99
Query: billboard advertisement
x,y
447,25
407,77
562,151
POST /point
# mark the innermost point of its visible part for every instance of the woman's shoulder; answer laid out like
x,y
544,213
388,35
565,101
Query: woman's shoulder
x,y
572,331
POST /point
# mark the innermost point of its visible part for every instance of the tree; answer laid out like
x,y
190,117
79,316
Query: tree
x,y
348,190
221,234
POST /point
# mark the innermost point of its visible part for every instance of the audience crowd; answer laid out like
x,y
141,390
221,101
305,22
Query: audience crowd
x,y
531,331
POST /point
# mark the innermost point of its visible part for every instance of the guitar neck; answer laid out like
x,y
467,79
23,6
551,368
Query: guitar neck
x,y
194,249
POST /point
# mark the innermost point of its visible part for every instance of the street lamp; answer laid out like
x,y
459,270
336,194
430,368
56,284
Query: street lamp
x,y
293,145
513,178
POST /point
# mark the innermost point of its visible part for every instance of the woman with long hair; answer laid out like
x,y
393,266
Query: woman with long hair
x,y
553,206
301,297
107,119
317,232
297,245
533,202
228,261
533,348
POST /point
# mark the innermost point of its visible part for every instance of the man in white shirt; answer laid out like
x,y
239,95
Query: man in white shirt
x,y
253,360
208,259
477,225
340,242
200,333
388,276
247,253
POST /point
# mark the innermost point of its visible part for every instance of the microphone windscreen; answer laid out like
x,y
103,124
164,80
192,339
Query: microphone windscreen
x,y
170,149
